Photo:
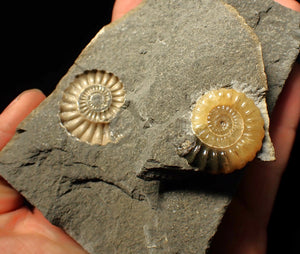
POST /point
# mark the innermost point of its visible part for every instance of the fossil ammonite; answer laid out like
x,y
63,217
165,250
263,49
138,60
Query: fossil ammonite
x,y
229,128
89,103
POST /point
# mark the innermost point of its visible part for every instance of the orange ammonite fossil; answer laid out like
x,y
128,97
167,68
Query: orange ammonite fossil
x,y
89,104
229,128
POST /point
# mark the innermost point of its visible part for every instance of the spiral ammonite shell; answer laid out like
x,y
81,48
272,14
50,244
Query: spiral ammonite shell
x,y
229,128
89,103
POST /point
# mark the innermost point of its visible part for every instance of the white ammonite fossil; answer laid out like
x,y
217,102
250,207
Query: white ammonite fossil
x,y
229,128
89,103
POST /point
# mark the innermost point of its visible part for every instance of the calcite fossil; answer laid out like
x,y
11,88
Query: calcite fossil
x,y
89,103
230,130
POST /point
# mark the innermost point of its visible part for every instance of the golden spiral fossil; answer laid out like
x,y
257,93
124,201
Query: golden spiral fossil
x,y
89,103
229,128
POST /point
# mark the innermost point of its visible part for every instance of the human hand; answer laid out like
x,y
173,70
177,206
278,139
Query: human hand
x,y
25,230
244,226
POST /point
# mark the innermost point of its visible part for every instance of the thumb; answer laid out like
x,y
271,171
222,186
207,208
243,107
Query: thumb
x,y
16,112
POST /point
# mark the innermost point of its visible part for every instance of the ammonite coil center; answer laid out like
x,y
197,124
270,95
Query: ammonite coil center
x,y
226,126
220,124
95,98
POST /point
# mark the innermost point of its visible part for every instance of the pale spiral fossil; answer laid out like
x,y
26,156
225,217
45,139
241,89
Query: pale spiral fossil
x,y
89,103
229,128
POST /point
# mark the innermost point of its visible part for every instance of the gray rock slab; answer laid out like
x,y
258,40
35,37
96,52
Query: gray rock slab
x,y
167,54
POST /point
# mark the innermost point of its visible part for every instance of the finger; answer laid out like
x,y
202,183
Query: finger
x,y
285,117
248,214
30,225
16,111
121,7
10,199
17,243
292,4
266,176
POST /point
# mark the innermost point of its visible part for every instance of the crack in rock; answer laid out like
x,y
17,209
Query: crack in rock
x,y
260,15
133,193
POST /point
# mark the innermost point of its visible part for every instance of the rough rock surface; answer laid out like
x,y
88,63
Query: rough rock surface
x,y
167,54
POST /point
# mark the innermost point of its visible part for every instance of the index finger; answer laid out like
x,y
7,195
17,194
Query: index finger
x,y
16,111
